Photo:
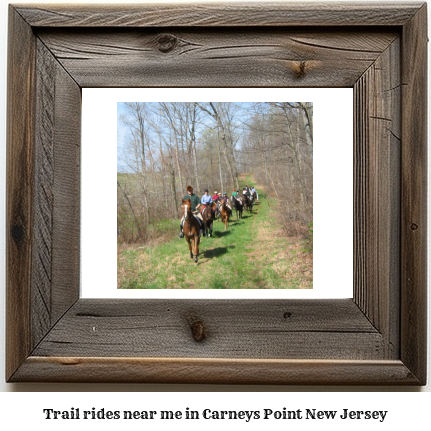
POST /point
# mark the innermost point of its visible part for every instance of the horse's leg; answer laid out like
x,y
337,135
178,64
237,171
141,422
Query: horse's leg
x,y
190,247
196,247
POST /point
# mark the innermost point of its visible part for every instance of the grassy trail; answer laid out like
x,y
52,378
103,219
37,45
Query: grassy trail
x,y
250,254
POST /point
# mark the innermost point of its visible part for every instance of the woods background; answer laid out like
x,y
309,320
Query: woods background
x,y
208,145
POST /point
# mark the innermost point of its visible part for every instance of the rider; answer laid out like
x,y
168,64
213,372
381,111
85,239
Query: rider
x,y
215,197
233,196
206,199
226,199
195,205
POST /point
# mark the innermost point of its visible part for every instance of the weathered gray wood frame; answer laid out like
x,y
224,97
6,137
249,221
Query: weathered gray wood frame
x,y
379,337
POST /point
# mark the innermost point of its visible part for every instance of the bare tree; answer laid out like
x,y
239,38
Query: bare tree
x,y
209,144
220,115
135,120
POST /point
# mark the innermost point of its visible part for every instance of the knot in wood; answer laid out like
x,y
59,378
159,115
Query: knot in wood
x,y
167,42
197,327
18,233
414,226
300,69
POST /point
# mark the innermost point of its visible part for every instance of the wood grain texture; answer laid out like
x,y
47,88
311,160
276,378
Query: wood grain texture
x,y
55,278
19,200
67,198
215,371
377,182
378,338
211,14
414,195
234,329
43,195
228,58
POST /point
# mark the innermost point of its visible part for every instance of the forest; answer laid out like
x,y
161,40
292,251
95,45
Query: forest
x,y
216,146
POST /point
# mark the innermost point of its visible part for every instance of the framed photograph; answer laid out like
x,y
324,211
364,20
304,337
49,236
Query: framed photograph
x,y
378,337
264,253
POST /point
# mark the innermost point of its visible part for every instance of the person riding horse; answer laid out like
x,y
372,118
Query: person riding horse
x,y
195,205
217,199
254,193
207,213
237,203
206,200
226,199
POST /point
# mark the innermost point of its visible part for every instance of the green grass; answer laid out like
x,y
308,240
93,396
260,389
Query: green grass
x,y
248,255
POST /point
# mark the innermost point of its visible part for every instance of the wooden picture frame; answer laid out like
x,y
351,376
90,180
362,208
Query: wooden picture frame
x,y
376,338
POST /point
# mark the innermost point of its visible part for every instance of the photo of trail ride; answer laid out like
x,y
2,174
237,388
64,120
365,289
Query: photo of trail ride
x,y
215,195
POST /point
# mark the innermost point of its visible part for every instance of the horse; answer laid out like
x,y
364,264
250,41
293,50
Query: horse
x,y
208,216
191,228
248,203
238,205
217,209
225,213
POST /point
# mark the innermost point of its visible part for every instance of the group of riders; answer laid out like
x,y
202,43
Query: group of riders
x,y
198,206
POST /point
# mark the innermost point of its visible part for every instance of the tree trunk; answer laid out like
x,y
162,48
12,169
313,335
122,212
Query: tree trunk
x,y
219,165
133,212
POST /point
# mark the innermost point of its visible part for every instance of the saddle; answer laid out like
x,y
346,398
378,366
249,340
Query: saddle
x,y
196,217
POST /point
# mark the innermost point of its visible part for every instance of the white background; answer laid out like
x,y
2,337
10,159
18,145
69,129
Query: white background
x,y
408,407
332,178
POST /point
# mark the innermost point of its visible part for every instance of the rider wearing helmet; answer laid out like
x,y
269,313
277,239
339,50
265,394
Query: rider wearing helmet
x,y
206,200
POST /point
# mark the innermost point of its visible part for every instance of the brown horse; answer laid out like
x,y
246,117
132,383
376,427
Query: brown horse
x,y
248,203
208,216
225,213
238,204
191,229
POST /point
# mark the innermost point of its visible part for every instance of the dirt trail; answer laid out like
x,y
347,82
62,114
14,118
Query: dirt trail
x,y
285,256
